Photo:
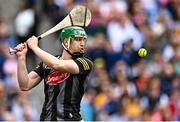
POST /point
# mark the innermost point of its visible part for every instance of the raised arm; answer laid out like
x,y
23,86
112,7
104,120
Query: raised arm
x,y
26,81
60,65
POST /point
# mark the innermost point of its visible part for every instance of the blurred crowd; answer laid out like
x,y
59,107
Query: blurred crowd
x,y
123,86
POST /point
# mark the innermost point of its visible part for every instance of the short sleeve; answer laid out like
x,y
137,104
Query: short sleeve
x,y
85,65
39,69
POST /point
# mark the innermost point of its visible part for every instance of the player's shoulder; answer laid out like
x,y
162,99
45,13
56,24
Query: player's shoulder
x,y
85,59
85,62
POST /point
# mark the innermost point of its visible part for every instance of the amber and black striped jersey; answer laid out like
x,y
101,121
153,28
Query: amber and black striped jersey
x,y
63,91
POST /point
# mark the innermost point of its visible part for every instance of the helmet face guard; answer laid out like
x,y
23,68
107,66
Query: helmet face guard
x,y
70,33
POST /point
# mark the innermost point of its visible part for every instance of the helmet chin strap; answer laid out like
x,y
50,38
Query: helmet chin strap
x,y
75,54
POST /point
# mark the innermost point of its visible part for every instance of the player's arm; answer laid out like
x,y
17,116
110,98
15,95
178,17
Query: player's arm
x,y
29,82
50,60
34,79
60,65
26,81
81,66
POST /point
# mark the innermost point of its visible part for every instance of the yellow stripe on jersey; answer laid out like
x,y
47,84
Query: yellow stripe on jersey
x,y
84,63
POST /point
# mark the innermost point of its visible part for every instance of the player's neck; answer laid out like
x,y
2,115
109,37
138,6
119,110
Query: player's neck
x,y
66,55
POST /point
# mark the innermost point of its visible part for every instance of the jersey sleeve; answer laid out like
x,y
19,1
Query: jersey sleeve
x,y
39,69
85,65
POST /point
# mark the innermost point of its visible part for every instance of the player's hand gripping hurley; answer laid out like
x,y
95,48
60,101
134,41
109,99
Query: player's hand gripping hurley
x,y
79,16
